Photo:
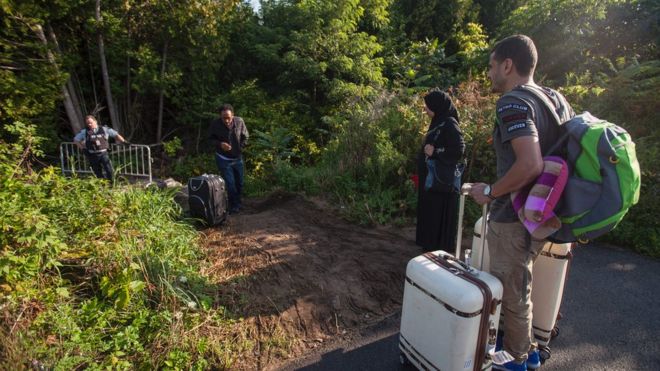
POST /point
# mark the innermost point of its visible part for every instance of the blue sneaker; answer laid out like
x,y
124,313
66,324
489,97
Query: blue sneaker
x,y
511,366
533,360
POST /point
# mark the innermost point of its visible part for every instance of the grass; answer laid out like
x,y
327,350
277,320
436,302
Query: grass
x,y
96,277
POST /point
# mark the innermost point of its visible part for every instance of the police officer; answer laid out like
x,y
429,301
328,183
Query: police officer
x,y
94,142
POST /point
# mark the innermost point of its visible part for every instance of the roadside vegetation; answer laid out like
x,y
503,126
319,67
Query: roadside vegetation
x,y
99,277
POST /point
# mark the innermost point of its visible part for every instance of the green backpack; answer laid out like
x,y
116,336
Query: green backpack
x,y
604,176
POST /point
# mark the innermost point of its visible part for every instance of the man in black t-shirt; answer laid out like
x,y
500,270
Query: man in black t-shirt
x,y
229,135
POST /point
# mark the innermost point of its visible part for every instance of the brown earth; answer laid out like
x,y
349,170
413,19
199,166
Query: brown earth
x,y
303,278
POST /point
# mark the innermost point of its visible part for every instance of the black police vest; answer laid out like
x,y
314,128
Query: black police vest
x,y
96,142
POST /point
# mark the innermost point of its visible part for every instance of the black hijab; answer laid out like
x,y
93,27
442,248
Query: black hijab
x,y
440,103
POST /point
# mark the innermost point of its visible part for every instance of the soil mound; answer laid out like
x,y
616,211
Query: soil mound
x,y
304,276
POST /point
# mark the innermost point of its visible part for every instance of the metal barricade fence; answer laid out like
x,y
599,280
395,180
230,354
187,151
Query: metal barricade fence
x,y
133,160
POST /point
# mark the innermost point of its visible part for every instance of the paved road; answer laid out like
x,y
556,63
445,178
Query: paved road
x,y
611,321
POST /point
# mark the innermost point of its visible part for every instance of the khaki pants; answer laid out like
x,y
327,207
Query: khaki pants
x,y
512,255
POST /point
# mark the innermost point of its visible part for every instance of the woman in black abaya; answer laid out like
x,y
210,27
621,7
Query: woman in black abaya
x,y
437,207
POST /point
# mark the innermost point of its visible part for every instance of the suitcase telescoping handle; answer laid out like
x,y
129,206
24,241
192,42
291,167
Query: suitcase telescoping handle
x,y
465,189
461,210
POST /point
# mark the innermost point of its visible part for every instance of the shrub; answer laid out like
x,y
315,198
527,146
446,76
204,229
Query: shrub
x,y
100,277
185,167
369,161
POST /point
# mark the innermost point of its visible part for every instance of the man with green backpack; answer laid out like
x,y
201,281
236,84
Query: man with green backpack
x,y
533,122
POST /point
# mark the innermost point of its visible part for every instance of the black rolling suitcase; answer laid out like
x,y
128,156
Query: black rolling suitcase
x,y
207,198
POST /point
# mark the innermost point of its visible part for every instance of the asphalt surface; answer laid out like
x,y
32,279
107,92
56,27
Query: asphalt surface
x,y
611,321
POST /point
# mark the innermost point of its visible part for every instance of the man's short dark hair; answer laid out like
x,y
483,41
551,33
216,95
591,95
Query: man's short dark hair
x,y
521,50
226,107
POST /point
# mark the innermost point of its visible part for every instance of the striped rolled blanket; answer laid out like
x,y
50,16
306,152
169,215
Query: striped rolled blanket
x,y
535,203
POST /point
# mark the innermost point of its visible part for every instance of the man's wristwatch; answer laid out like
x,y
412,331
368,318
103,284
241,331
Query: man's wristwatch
x,y
487,192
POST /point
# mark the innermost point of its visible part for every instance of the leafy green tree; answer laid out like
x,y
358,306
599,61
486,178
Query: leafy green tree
x,y
175,51
34,72
311,56
578,35
472,50
330,58
429,19
451,27
630,28
493,13
421,66
161,61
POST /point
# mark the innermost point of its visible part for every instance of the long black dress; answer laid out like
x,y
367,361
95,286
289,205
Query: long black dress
x,y
437,212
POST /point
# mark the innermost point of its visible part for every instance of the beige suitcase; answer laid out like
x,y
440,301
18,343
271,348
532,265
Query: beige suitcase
x,y
549,278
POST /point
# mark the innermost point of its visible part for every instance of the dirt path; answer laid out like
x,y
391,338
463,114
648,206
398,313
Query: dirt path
x,y
302,277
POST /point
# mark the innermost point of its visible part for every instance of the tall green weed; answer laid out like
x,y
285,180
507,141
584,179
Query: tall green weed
x,y
372,156
366,167
98,277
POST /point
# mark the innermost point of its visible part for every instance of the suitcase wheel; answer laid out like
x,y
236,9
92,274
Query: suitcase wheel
x,y
544,353
554,333
403,359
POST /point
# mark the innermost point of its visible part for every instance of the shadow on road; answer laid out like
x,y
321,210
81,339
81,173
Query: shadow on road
x,y
611,321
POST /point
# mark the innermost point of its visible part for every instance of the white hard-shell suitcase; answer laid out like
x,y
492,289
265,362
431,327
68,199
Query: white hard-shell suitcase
x,y
548,280
447,314
450,312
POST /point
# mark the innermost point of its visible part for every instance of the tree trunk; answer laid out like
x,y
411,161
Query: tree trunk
x,y
78,108
104,70
129,123
72,111
91,74
159,128
129,108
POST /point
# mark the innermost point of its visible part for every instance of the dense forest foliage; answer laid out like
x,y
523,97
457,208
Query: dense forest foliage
x,y
330,91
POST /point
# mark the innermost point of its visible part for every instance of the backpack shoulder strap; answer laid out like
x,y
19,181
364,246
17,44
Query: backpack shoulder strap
x,y
534,92
527,91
